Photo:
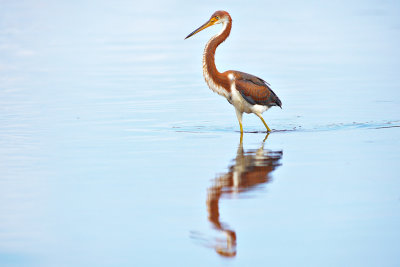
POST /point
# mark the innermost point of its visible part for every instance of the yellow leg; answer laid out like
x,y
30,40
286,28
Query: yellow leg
x,y
266,126
266,137
239,117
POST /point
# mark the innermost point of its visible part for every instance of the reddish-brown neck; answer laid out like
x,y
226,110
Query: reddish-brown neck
x,y
209,67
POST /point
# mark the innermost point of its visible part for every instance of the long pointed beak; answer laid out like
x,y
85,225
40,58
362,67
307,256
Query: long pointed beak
x,y
202,27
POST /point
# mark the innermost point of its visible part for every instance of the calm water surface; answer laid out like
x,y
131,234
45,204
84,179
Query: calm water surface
x,y
115,153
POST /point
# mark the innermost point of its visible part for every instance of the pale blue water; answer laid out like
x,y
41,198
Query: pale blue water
x,y
113,149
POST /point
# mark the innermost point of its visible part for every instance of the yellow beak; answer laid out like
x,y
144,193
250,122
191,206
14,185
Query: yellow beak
x,y
202,27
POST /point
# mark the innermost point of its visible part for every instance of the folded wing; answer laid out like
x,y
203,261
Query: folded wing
x,y
255,90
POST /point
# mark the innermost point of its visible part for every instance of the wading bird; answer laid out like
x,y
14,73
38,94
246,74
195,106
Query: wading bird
x,y
247,93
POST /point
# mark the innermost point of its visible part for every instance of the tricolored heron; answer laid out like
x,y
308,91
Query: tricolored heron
x,y
247,93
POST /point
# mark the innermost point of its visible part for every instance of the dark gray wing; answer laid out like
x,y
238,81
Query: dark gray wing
x,y
255,90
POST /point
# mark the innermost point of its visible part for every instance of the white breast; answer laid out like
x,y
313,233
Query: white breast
x,y
213,86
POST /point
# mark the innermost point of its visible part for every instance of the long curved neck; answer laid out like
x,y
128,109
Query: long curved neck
x,y
209,68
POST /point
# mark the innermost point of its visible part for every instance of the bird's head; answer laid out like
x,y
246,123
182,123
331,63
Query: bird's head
x,y
218,17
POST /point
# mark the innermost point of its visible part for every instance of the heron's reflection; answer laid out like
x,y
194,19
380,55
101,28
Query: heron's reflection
x,y
249,169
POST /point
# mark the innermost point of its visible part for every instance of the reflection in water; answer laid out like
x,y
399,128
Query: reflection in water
x,y
249,169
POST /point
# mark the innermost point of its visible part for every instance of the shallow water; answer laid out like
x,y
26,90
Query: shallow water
x,y
115,152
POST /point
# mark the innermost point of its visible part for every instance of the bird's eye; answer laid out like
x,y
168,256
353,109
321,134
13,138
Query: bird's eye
x,y
217,17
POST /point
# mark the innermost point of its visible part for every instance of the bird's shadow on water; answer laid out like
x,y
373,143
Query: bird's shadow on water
x,y
249,170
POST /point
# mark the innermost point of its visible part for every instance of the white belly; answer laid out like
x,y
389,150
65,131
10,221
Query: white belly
x,y
242,105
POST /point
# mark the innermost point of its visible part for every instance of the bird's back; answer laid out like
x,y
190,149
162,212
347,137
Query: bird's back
x,y
255,90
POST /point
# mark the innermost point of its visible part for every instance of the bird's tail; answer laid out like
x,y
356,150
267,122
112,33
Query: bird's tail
x,y
276,100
